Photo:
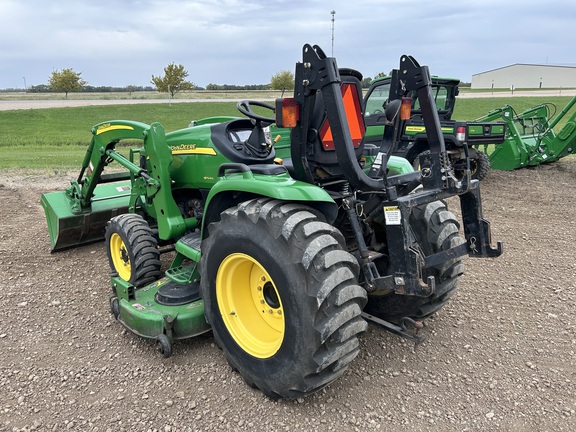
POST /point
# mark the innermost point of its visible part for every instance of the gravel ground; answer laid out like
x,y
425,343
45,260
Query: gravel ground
x,y
499,356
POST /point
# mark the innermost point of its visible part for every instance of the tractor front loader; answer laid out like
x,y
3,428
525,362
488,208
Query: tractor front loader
x,y
283,259
530,138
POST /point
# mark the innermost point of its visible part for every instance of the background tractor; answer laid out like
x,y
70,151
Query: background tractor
x,y
284,260
461,137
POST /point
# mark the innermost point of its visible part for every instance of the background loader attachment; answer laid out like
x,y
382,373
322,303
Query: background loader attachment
x,y
530,137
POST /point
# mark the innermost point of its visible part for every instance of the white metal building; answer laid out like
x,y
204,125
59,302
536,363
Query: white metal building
x,y
530,76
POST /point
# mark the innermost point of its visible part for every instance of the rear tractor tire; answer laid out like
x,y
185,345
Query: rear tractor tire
x,y
416,160
282,297
132,249
435,229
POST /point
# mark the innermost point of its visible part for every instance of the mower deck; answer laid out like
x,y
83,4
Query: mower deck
x,y
163,310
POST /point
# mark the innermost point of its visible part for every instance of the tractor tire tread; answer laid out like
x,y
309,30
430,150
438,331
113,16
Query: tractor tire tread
x,y
142,245
436,229
483,166
332,294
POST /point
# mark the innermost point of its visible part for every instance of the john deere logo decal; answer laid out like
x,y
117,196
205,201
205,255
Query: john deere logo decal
x,y
184,149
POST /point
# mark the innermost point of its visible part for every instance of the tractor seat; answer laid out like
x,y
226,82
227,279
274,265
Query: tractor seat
x,y
229,139
268,169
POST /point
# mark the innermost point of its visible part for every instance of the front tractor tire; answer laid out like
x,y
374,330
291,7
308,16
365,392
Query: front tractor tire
x,y
132,250
435,229
282,297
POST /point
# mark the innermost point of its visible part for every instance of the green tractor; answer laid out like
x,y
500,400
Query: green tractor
x,y
462,138
284,262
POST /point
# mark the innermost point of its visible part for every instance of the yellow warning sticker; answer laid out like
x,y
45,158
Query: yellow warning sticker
x,y
392,215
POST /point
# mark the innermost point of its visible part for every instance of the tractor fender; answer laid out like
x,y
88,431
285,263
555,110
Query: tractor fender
x,y
232,189
398,165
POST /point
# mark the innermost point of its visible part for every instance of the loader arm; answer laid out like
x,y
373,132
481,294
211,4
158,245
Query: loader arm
x,y
562,143
171,223
79,214
512,153
152,182
105,136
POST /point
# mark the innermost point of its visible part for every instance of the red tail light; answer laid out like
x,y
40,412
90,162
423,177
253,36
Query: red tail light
x,y
461,133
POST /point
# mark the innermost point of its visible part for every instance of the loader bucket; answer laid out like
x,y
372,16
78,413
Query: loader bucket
x,y
68,229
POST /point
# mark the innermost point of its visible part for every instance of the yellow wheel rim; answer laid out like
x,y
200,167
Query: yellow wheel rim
x,y
473,168
120,258
250,305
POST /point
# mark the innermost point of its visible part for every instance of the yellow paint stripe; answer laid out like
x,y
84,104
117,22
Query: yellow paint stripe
x,y
113,127
202,151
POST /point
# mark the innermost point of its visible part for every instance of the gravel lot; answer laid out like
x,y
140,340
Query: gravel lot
x,y
500,356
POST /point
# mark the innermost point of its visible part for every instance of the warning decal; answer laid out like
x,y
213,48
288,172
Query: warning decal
x,y
392,215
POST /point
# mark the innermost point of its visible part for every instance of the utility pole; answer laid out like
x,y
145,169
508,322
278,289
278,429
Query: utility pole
x,y
333,13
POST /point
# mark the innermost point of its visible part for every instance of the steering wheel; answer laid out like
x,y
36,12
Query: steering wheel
x,y
245,107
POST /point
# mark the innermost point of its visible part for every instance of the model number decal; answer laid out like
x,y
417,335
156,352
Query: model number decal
x,y
421,129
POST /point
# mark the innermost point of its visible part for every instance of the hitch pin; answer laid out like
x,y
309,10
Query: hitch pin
x,y
473,244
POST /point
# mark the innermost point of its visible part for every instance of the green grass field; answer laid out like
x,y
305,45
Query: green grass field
x,y
56,138
473,108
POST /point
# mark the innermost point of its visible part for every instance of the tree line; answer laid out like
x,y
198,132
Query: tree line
x,y
45,88
173,81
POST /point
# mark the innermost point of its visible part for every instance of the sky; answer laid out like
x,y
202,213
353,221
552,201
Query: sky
x,y
124,42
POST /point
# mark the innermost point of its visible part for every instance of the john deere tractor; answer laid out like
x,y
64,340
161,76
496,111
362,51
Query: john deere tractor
x,y
462,138
284,260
